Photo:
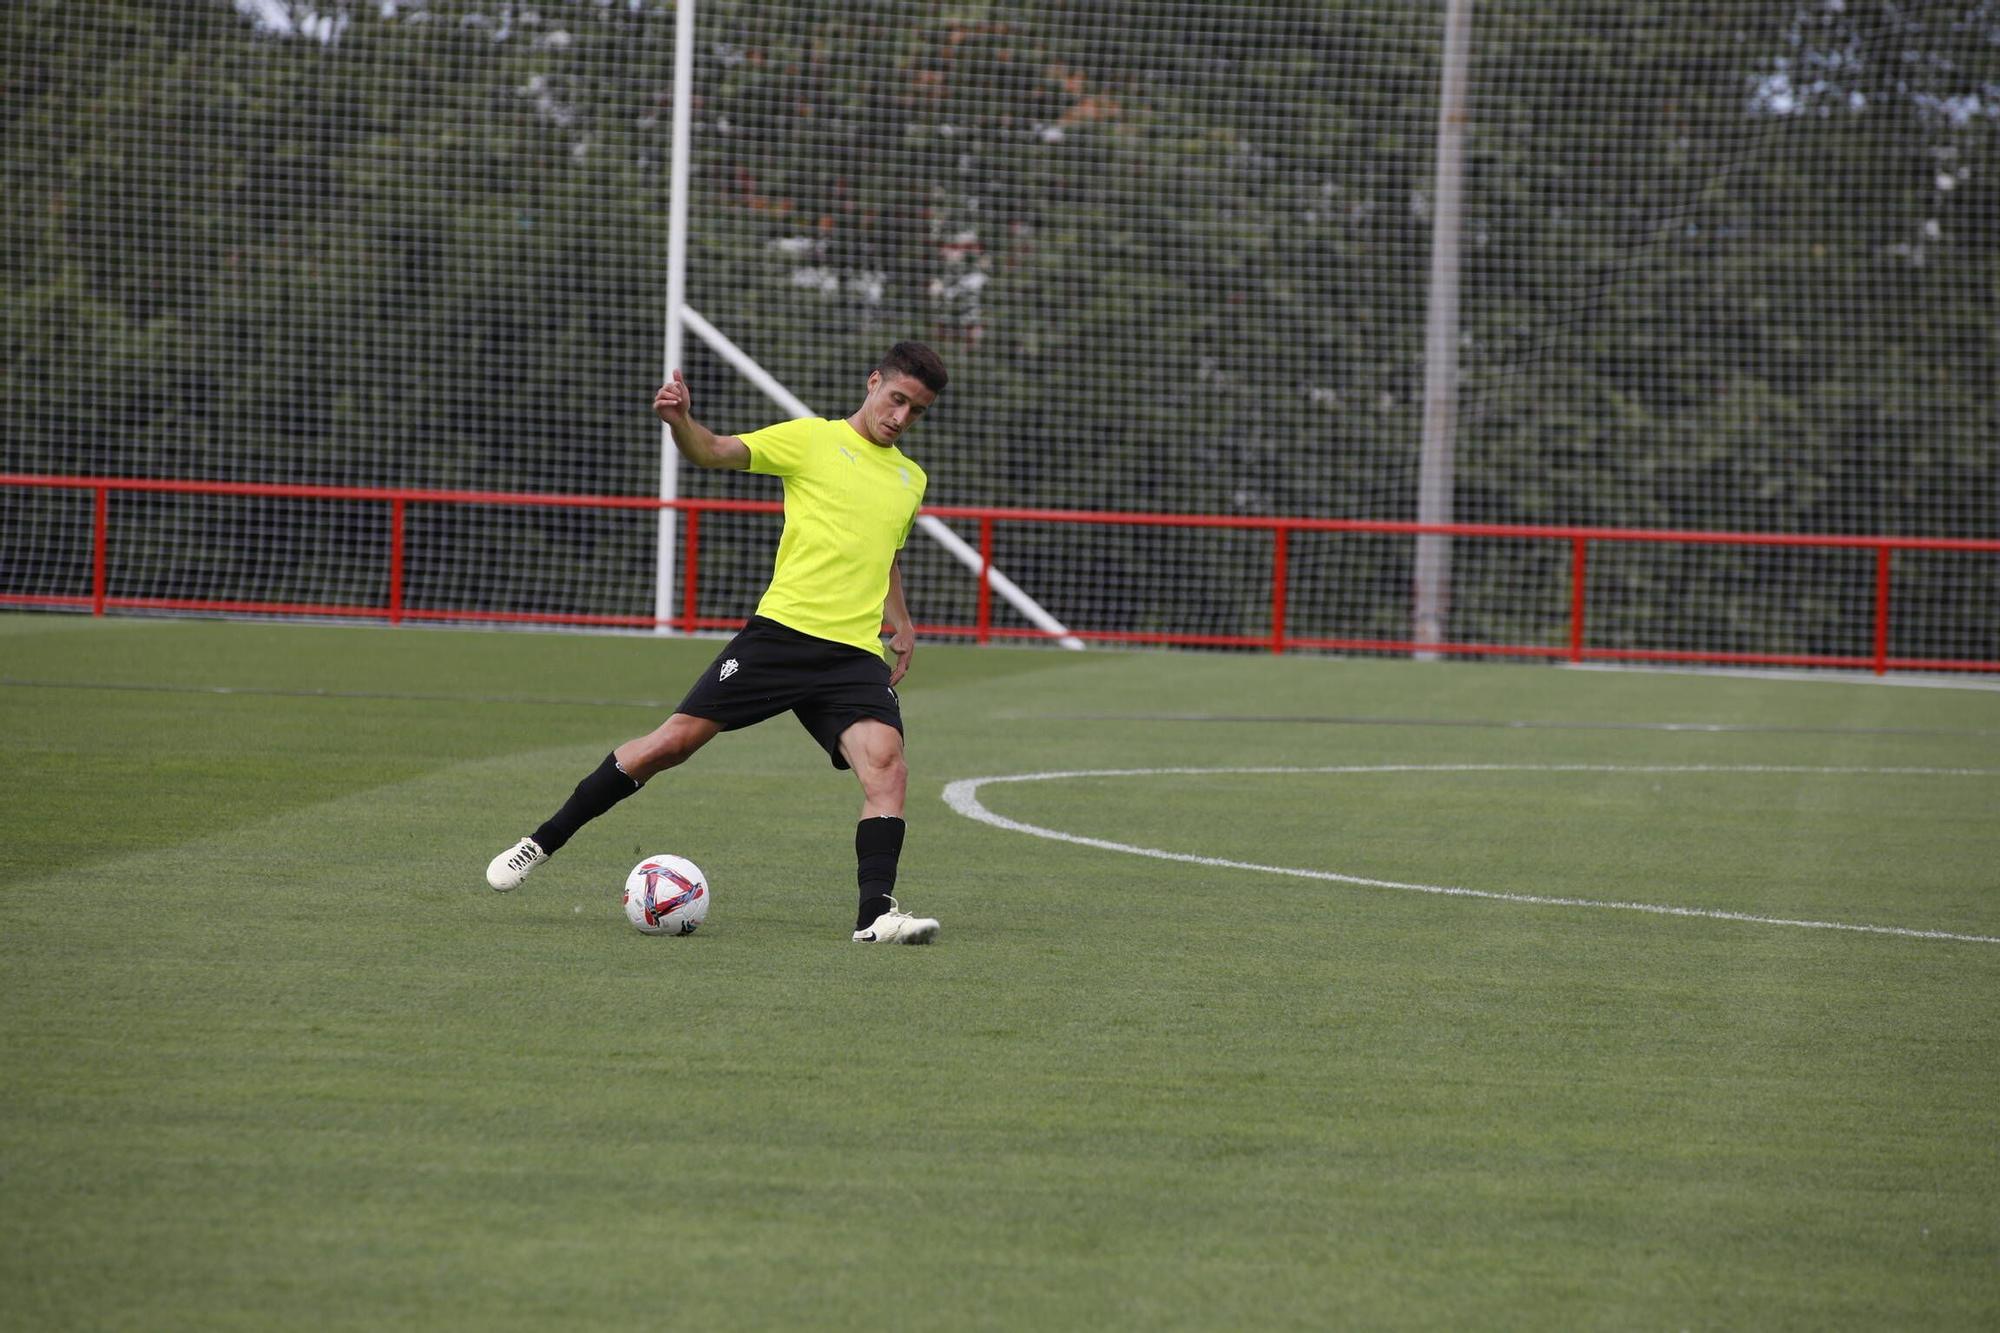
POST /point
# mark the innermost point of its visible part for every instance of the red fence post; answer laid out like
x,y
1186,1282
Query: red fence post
x,y
983,626
396,561
690,574
1280,576
1579,555
100,538
1881,610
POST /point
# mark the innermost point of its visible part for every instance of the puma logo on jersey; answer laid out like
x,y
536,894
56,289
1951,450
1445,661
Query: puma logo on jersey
x,y
847,453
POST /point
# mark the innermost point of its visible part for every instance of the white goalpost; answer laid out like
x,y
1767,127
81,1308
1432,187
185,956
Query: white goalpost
x,y
670,458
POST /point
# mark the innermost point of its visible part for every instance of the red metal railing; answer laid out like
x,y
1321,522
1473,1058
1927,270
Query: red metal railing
x,y
394,610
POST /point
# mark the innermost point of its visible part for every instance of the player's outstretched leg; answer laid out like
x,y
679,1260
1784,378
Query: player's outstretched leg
x,y
605,787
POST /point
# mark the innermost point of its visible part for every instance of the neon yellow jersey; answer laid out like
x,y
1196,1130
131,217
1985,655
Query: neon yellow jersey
x,y
849,506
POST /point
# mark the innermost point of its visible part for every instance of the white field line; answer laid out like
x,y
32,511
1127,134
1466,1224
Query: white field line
x,y
963,796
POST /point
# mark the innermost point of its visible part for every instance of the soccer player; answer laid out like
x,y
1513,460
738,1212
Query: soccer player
x,y
814,646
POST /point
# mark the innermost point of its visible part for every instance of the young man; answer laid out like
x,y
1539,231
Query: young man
x,y
814,646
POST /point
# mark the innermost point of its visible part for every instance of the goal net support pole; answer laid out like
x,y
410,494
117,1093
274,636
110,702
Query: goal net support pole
x,y
1434,471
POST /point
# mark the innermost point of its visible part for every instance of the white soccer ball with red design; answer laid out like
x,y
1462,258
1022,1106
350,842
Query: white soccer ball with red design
x,y
666,895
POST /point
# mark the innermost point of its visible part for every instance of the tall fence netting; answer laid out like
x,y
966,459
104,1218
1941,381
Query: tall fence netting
x,y
1727,265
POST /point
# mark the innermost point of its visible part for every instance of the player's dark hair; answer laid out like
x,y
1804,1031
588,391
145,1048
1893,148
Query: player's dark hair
x,y
917,361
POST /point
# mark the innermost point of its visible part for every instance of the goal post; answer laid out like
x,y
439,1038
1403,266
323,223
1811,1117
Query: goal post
x,y
664,580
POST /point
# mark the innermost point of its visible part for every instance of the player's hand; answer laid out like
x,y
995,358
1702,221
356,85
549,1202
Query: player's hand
x,y
903,643
672,401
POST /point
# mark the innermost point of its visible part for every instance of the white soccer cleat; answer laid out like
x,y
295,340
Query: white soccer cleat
x,y
896,926
512,866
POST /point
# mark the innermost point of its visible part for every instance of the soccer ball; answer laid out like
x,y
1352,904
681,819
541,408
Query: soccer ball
x,y
666,895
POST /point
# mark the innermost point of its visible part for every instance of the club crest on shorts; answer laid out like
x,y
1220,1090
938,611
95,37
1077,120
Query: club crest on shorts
x,y
728,670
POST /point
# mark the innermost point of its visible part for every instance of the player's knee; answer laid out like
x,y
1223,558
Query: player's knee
x,y
876,759
885,774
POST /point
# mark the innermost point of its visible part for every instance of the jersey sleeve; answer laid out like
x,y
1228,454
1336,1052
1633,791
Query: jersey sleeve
x,y
780,450
911,522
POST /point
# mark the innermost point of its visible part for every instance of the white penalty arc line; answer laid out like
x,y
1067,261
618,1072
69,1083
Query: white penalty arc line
x,y
963,797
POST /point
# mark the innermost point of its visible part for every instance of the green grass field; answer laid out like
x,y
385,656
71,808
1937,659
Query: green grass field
x,y
275,1057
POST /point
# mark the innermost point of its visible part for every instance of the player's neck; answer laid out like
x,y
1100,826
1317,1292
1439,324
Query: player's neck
x,y
854,425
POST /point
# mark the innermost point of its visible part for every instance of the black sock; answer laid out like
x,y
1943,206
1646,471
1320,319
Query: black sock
x,y
878,843
606,786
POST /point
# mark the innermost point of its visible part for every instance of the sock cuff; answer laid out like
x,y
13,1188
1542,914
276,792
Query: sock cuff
x,y
883,833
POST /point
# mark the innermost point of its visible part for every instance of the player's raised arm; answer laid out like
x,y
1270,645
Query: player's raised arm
x,y
697,443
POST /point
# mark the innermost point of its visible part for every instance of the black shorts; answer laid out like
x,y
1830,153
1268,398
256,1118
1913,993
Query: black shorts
x,y
769,668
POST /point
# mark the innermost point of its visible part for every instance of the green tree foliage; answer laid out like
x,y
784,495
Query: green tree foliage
x,y
1728,265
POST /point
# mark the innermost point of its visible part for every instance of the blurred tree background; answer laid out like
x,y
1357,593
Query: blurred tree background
x,y
1729,264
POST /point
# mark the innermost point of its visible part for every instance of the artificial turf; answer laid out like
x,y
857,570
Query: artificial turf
x,y
275,1056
